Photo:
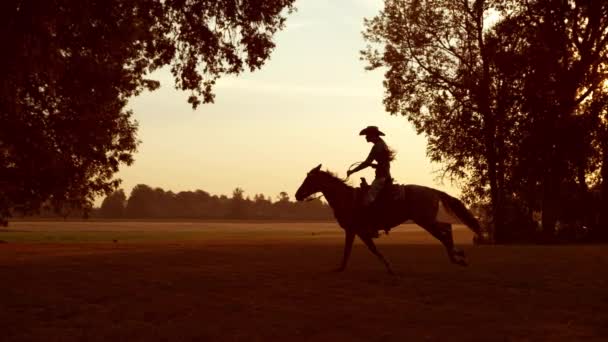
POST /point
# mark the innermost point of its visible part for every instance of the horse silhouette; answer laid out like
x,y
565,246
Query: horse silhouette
x,y
433,210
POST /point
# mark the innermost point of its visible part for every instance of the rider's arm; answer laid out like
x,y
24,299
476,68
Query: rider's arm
x,y
366,163
361,167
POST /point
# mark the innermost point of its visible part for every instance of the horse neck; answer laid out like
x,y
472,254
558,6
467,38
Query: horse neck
x,y
338,195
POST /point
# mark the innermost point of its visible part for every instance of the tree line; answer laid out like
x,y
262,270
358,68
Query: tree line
x,y
513,99
146,202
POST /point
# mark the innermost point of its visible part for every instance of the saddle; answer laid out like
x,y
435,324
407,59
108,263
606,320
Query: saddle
x,y
386,194
375,212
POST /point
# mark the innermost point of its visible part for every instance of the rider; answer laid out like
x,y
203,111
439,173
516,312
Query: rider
x,y
382,155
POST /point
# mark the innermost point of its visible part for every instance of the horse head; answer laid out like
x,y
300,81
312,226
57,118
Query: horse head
x,y
312,184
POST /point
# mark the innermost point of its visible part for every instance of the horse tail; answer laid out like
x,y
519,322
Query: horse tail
x,y
460,210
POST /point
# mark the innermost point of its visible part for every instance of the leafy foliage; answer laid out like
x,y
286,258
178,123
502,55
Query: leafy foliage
x,y
439,76
511,95
114,205
69,67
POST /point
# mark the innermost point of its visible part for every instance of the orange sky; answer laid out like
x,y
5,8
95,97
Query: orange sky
x,y
267,129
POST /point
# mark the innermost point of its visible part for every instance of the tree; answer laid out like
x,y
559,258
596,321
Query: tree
x,y
261,206
145,202
562,97
283,197
439,77
282,206
238,204
514,108
188,204
113,206
69,67
603,145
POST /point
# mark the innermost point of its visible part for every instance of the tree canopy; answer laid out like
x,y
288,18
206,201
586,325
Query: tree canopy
x,y
68,68
510,94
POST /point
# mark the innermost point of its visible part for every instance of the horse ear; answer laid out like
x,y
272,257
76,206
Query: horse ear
x,y
318,168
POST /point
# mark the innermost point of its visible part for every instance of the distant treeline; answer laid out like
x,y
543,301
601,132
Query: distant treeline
x,y
146,202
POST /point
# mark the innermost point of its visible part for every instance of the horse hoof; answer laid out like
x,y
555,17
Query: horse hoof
x,y
462,262
459,261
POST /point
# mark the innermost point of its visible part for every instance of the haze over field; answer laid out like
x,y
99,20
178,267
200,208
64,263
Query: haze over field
x,y
207,232
272,282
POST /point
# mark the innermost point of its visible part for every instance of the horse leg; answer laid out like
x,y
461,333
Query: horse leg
x,y
372,247
348,246
456,254
443,233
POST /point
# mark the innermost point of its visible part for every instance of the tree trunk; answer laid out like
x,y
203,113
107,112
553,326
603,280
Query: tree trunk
x,y
584,204
531,200
603,224
500,155
489,131
550,201
498,221
490,149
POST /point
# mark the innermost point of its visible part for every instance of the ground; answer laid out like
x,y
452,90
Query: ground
x,y
180,281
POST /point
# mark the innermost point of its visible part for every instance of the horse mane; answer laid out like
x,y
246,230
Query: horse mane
x,y
334,176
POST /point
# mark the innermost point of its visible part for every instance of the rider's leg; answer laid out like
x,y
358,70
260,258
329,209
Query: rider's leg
x,y
369,208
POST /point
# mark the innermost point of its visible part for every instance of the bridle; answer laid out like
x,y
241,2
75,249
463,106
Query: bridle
x,y
312,198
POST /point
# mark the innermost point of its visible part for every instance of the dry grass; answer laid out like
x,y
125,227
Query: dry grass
x,y
271,281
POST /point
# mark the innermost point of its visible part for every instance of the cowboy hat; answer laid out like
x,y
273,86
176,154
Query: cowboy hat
x,y
371,130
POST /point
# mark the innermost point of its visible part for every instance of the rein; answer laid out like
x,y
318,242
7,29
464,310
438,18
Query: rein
x,y
311,198
353,165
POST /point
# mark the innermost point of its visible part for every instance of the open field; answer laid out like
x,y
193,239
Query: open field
x,y
202,231
100,281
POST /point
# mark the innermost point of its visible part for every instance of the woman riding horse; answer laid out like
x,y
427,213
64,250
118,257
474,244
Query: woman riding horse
x,y
433,210
382,155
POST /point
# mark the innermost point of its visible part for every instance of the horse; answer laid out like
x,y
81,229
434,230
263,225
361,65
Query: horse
x,y
433,210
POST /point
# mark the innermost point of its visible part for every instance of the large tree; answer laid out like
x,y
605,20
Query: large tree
x,y
68,68
562,70
113,206
509,94
439,76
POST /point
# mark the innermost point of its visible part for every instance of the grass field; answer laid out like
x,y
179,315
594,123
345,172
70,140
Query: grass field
x,y
180,281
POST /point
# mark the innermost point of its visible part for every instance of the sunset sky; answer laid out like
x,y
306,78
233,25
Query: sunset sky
x,y
267,129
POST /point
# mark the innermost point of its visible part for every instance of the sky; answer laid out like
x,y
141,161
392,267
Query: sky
x,y
267,129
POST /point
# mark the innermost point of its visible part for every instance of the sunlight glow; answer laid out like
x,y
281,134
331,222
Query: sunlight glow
x,y
268,128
